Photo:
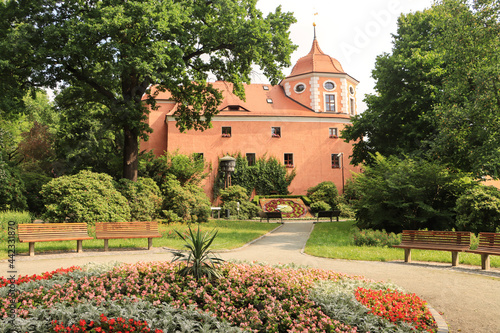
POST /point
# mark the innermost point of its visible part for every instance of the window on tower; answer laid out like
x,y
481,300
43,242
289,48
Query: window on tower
x,y
334,133
330,102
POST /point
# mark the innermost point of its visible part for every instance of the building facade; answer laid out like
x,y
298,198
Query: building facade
x,y
297,121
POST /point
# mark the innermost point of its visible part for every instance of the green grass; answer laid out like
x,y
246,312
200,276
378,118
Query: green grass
x,y
335,240
231,234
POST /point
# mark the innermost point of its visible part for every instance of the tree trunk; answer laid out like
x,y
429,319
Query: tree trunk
x,y
130,153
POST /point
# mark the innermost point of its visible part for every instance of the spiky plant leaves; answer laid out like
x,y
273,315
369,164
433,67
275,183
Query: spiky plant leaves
x,y
199,260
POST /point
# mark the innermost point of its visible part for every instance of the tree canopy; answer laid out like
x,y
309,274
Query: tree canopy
x,y
437,93
114,51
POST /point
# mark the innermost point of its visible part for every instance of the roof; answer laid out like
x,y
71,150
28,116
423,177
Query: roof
x,y
316,61
260,100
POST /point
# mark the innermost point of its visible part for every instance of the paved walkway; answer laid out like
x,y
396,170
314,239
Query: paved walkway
x,y
468,298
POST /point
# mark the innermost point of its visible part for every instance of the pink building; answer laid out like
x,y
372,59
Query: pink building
x,y
297,121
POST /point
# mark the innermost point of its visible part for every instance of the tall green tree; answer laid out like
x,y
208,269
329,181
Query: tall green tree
x,y
117,50
437,93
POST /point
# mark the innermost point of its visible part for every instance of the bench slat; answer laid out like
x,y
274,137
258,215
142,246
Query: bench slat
x,y
124,230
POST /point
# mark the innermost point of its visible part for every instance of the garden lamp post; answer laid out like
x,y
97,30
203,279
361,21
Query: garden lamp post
x,y
227,164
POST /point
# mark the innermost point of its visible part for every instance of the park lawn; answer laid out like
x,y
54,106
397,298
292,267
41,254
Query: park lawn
x,y
335,240
231,235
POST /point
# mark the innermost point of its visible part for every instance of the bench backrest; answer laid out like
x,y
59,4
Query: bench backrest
x,y
489,240
329,213
127,227
436,237
273,214
32,232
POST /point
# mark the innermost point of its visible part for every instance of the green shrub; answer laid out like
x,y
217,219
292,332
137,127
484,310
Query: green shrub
x,y
324,191
11,188
319,206
33,183
478,209
248,210
6,216
170,216
378,238
233,193
395,194
346,210
144,198
85,197
190,202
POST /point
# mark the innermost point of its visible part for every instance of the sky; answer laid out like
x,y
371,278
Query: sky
x,y
352,31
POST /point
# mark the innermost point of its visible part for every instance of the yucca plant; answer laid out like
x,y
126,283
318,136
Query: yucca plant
x,y
199,260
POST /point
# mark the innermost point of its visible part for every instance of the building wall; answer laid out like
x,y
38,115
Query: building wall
x,y
306,138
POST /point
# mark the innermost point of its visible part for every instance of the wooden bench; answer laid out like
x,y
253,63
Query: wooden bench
x,y
453,241
270,215
329,213
123,230
489,244
48,232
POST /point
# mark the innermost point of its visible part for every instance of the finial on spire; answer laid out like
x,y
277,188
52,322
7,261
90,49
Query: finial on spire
x,y
314,25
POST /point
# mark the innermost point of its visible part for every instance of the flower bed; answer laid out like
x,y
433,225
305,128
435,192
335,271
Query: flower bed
x,y
248,297
298,209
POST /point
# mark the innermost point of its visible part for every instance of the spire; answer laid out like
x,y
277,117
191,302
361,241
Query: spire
x,y
314,25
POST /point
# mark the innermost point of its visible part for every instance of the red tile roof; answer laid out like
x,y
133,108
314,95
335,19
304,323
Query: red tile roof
x,y
316,61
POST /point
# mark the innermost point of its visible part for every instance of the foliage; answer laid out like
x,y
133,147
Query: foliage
x,y
114,51
33,183
187,169
233,193
437,92
15,216
144,197
267,176
319,206
85,197
111,325
399,194
11,188
189,202
337,300
200,261
478,209
87,138
35,150
247,210
324,191
379,238
346,210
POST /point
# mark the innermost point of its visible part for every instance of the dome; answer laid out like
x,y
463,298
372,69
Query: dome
x,y
316,62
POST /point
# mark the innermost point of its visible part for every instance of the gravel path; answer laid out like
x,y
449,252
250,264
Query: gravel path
x,y
467,298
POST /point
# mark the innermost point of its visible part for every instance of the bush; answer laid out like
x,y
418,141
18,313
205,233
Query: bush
x,y
248,210
85,197
190,202
11,188
319,206
395,194
33,183
479,209
233,193
378,238
144,198
325,191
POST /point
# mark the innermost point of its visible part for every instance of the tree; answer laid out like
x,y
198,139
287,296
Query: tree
x,y
438,92
115,51
478,209
396,194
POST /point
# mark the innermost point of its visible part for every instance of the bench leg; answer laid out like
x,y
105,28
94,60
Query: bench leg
x,y
106,248
485,262
32,249
454,259
407,255
337,218
79,246
150,243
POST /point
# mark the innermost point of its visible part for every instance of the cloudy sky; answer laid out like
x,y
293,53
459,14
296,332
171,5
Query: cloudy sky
x,y
354,31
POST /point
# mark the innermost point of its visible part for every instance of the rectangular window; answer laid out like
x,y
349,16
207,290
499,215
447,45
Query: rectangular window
x,y
334,133
336,161
198,156
251,159
330,102
289,160
352,106
226,132
276,132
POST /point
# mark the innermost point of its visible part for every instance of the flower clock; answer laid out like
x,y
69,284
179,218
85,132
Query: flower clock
x,y
289,208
